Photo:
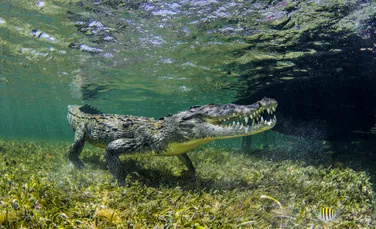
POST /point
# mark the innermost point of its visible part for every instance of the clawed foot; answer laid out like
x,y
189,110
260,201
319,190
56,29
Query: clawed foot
x,y
77,164
188,173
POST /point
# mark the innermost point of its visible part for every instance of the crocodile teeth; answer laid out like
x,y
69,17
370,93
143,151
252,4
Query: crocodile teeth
x,y
262,119
268,110
233,123
246,119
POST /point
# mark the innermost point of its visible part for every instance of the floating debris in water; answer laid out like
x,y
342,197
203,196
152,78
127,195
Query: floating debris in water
x,y
39,34
85,48
4,80
108,38
108,55
41,4
96,24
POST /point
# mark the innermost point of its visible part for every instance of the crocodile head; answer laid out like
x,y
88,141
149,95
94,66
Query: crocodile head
x,y
201,124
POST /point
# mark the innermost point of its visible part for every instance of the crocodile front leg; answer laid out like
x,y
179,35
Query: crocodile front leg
x,y
113,150
187,162
76,148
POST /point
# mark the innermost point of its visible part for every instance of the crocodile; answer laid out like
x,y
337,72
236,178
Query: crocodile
x,y
173,135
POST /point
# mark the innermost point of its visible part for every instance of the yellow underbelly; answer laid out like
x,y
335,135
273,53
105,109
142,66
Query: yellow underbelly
x,y
173,149
178,148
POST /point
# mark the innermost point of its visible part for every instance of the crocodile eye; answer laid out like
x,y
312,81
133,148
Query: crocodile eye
x,y
187,117
190,116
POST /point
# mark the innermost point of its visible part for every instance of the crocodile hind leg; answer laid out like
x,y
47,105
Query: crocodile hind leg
x,y
76,148
113,150
187,162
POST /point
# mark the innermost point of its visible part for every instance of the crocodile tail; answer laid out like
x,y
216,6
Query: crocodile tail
x,y
87,109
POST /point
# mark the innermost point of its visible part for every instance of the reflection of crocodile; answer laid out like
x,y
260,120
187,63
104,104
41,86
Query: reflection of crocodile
x,y
173,135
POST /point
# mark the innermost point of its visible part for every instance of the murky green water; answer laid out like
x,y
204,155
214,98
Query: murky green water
x,y
155,62
154,58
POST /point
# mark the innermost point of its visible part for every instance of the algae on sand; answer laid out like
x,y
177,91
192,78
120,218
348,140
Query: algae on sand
x,y
39,190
